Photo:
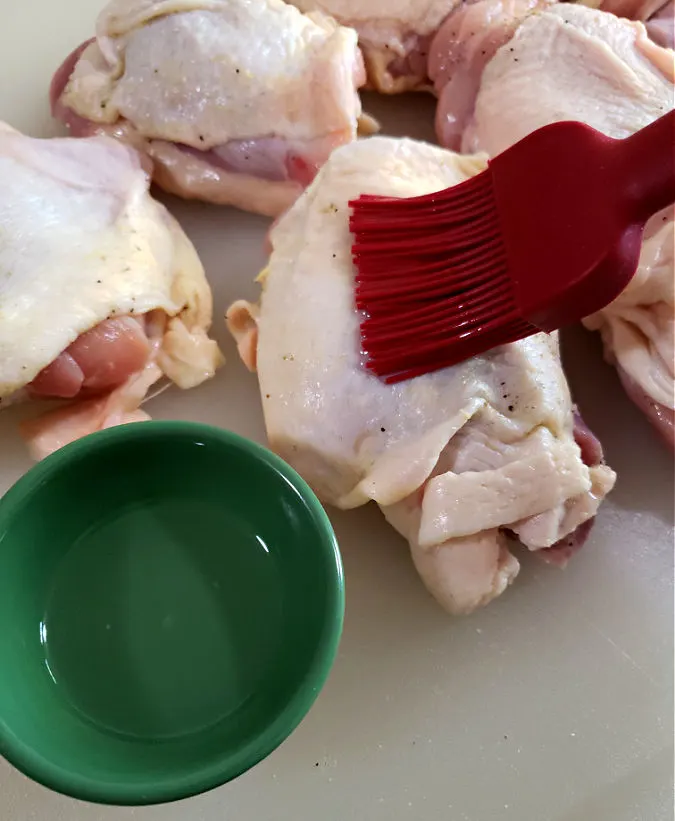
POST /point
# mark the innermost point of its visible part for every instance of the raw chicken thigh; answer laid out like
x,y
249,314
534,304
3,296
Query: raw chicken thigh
x,y
394,36
571,62
102,293
456,458
231,101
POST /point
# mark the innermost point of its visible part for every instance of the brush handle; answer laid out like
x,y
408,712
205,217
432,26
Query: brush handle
x,y
648,163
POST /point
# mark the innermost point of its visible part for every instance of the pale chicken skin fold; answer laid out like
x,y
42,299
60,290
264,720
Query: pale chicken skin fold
x,y
570,62
456,458
101,293
236,102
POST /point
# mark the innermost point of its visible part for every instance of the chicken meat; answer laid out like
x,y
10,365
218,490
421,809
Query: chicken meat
x,y
569,62
458,460
657,15
459,52
394,36
101,292
235,102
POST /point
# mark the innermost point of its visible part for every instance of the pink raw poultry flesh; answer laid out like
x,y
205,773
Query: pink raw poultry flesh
x,y
100,359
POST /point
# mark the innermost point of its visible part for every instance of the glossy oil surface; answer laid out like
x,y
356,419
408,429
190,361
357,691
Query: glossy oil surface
x,y
163,618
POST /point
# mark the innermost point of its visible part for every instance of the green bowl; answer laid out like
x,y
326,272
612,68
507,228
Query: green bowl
x,y
171,601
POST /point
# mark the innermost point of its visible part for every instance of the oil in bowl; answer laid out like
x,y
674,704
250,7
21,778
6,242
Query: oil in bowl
x,y
171,599
165,647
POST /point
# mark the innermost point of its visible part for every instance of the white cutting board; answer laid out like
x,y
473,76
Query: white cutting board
x,y
553,704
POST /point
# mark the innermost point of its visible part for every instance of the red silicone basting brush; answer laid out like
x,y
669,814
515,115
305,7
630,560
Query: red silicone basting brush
x,y
548,234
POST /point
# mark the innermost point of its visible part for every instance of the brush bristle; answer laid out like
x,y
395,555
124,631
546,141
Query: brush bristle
x,y
433,280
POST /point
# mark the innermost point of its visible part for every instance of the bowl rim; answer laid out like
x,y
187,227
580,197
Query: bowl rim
x,y
76,785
